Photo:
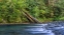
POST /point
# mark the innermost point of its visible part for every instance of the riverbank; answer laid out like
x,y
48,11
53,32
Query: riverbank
x,y
53,22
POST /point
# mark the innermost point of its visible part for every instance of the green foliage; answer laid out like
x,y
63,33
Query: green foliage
x,y
9,10
10,13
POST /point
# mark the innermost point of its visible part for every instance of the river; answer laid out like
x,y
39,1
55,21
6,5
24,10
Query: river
x,y
53,28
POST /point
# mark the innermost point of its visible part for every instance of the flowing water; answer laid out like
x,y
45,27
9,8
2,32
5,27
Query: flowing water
x,y
53,28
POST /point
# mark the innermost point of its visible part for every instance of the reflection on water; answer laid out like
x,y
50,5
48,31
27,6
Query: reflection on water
x,y
32,29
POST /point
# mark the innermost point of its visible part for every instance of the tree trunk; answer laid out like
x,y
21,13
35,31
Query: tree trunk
x,y
51,2
29,17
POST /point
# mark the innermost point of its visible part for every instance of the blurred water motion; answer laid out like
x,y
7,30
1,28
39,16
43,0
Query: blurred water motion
x,y
32,29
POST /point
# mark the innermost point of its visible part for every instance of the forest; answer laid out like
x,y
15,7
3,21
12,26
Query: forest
x,y
25,11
